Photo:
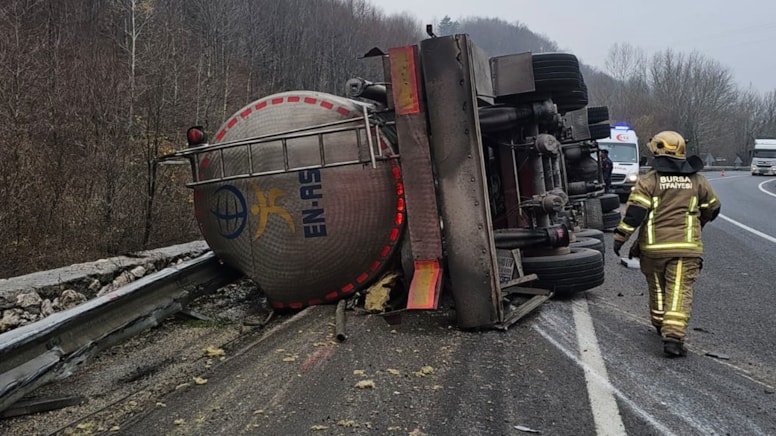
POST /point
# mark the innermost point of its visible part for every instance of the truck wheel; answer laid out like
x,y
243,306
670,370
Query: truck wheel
x,y
609,202
540,70
590,233
597,114
566,274
592,243
554,59
611,219
599,131
563,85
594,218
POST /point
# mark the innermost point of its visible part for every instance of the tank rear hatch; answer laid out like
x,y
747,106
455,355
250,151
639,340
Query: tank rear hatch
x,y
296,195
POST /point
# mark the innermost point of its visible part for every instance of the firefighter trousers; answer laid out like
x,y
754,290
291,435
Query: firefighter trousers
x,y
670,282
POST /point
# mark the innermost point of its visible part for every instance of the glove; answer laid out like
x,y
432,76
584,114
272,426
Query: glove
x,y
635,250
617,246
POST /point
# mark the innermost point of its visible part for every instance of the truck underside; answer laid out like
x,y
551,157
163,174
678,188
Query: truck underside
x,y
454,171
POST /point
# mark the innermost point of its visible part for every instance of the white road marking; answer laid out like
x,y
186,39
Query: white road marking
x,y
606,414
604,380
749,229
722,177
760,187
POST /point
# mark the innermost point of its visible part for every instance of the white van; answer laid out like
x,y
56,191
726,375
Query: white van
x,y
623,147
764,157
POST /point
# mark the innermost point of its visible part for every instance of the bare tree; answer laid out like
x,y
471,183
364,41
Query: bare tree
x,y
696,92
625,63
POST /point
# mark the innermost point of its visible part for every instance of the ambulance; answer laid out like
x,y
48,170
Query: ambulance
x,y
623,147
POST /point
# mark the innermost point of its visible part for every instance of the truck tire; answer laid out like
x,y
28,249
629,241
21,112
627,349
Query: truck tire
x,y
567,274
612,219
590,233
594,218
554,85
540,70
599,131
592,243
544,59
597,114
609,202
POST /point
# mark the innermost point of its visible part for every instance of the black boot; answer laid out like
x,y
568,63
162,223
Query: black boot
x,y
674,347
659,329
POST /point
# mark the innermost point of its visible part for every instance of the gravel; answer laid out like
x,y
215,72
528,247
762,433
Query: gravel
x,y
129,376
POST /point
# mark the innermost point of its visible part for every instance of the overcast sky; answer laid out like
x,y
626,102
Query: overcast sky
x,y
740,34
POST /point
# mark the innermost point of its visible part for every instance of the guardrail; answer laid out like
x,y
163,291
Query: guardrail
x,y
53,348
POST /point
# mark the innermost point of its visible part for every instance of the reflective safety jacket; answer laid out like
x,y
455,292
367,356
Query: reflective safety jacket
x,y
671,210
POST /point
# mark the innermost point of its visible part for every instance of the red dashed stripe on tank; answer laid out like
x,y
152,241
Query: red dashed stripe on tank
x,y
395,171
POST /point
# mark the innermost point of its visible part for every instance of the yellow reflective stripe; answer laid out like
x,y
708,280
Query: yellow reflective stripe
x,y
673,245
638,198
677,316
676,297
626,228
674,323
651,221
659,296
706,205
689,218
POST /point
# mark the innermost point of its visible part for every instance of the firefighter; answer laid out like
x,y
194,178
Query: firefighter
x,y
670,205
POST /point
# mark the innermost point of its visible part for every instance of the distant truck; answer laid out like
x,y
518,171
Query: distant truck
x,y
623,147
764,157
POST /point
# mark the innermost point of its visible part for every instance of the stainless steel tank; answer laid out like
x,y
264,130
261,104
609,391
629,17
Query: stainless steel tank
x,y
303,193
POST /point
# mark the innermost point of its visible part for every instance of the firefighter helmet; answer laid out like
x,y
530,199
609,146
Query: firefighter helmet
x,y
668,143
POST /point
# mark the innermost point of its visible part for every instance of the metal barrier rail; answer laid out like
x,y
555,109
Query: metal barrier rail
x,y
53,348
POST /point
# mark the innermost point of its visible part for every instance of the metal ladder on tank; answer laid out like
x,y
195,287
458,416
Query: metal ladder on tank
x,y
368,133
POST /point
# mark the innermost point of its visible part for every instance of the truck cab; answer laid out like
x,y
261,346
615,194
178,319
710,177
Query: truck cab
x,y
764,157
623,147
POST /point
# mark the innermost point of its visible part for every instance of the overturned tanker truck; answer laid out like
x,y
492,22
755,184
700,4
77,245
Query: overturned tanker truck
x,y
465,172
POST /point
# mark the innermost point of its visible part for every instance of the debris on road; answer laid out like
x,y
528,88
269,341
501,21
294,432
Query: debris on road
x,y
717,355
365,384
213,352
340,333
426,370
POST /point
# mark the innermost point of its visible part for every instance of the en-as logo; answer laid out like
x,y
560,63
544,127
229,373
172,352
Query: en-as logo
x,y
266,206
230,211
311,191
622,137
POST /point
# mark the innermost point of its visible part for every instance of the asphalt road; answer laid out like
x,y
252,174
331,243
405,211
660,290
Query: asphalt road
x,y
584,366
590,365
